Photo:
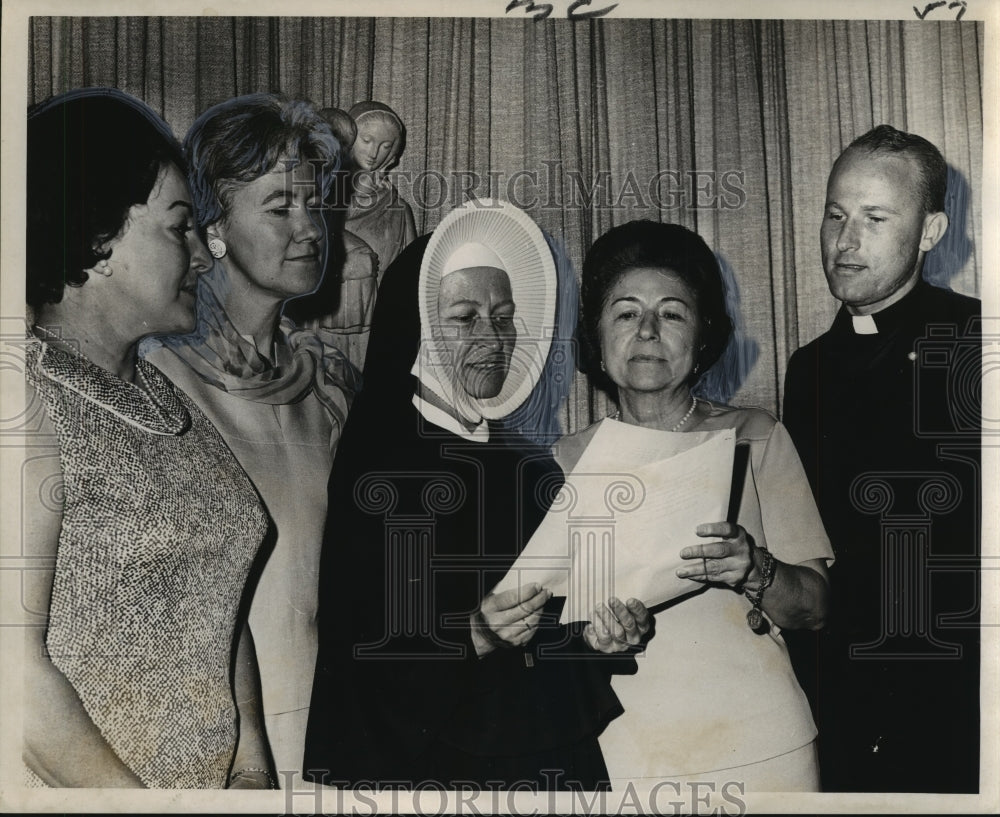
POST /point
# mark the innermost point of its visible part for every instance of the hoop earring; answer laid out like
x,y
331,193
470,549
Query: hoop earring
x,y
217,247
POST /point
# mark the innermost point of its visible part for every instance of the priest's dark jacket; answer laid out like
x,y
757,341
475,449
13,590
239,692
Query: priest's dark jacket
x,y
885,414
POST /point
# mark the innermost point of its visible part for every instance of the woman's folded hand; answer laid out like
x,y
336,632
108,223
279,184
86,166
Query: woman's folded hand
x,y
616,627
510,618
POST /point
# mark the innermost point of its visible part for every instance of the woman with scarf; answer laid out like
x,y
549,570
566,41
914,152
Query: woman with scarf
x,y
260,166
424,674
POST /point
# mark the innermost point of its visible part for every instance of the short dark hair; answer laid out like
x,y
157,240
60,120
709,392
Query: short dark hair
x,y
92,154
933,168
239,140
659,246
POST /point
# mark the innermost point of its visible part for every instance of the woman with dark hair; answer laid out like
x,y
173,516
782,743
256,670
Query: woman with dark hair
x,y
424,674
260,166
715,698
154,527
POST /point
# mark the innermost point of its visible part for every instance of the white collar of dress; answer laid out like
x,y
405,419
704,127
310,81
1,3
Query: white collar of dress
x,y
440,418
153,406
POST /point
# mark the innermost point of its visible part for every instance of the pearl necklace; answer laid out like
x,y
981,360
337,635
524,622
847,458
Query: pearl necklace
x,y
35,329
694,404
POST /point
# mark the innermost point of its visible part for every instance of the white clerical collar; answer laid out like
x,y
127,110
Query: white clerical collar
x,y
864,325
432,414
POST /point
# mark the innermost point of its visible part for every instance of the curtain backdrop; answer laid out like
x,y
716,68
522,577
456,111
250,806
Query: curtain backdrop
x,y
727,127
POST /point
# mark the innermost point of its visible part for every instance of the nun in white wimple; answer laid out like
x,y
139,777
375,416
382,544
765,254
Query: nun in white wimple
x,y
422,673
469,336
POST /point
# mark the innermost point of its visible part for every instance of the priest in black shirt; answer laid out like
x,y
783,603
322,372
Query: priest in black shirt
x,y
884,409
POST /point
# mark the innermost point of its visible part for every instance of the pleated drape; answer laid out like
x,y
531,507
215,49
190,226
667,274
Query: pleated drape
x,y
726,126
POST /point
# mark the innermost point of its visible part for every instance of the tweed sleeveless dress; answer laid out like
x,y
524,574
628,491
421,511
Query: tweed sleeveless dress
x,y
160,528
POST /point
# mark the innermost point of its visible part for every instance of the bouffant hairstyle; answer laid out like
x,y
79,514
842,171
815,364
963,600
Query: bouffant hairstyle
x,y
92,154
239,140
650,244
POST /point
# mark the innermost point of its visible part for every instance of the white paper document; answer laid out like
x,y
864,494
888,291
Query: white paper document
x,y
626,510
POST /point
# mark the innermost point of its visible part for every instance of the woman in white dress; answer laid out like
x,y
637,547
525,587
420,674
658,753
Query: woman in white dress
x,y
715,697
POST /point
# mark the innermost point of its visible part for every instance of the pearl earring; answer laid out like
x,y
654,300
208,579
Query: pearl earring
x,y
217,247
103,268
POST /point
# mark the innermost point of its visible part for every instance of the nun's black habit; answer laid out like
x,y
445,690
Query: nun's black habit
x,y
422,524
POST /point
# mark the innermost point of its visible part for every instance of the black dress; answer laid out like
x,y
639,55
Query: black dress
x,y
887,426
422,525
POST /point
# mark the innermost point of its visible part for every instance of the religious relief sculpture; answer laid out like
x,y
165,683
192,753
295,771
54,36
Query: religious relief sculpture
x,y
376,212
368,223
